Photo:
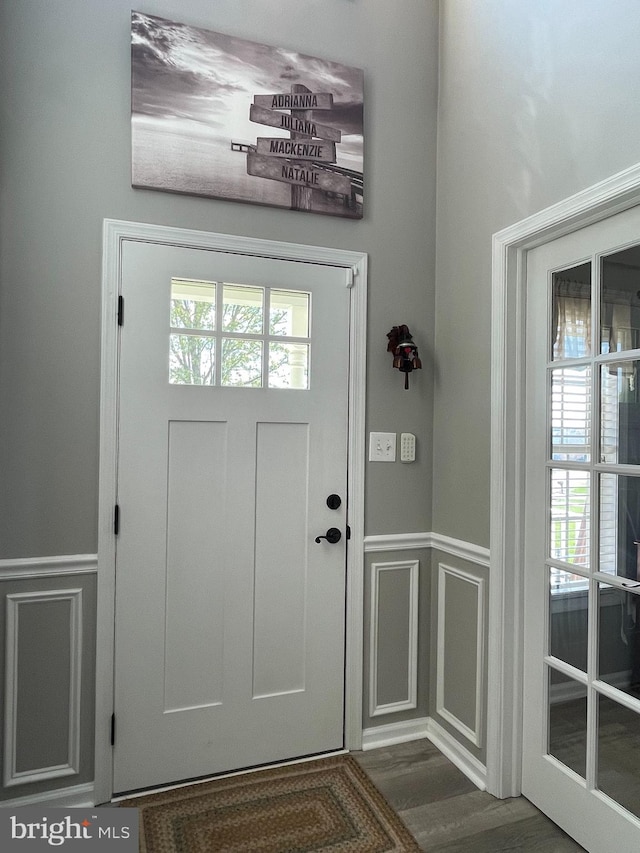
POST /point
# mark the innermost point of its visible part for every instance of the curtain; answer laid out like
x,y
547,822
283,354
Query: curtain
x,y
572,320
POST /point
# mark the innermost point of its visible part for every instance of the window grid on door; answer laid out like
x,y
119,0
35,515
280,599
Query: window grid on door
x,y
593,471
236,335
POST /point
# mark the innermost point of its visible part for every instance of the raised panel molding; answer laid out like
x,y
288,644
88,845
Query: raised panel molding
x,y
15,603
472,733
409,701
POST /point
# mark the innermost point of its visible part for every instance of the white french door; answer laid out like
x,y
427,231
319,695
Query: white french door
x,y
232,470
581,746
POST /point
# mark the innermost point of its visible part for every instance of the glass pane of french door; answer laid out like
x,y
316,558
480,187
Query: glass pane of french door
x,y
581,755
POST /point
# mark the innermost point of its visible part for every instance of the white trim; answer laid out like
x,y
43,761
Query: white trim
x,y
77,796
473,734
13,776
115,233
410,541
472,768
354,641
504,726
426,727
404,731
465,550
39,567
396,542
411,700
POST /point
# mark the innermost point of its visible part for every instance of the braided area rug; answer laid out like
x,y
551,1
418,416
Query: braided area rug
x,y
328,804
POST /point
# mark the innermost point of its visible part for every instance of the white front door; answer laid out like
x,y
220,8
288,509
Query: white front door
x,y
233,409
581,747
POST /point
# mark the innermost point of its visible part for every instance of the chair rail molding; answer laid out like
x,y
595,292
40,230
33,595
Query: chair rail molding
x,y
38,567
509,257
408,541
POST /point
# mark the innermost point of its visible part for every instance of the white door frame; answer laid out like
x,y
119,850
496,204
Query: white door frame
x,y
510,247
115,234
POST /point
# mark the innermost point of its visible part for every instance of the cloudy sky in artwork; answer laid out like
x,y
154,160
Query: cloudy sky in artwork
x,y
205,81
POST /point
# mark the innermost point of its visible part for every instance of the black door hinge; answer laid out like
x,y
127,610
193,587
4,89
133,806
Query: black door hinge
x,y
116,519
120,310
113,729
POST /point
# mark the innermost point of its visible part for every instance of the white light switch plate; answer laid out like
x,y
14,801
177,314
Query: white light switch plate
x,y
382,447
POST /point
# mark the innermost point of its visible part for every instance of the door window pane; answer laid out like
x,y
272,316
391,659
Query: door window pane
x,y
568,618
619,413
619,753
242,309
241,363
191,360
288,365
570,517
571,414
289,313
619,638
619,525
568,721
620,302
571,312
228,347
193,304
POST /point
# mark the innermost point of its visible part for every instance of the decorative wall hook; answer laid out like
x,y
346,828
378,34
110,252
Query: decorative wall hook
x,y
405,352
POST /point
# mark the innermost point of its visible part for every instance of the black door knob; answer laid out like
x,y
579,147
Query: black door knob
x,y
334,501
332,535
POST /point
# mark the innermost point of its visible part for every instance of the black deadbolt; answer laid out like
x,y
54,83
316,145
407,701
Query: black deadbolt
x,y
334,501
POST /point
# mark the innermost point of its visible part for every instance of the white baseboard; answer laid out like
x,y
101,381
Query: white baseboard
x,y
427,727
77,796
378,736
457,754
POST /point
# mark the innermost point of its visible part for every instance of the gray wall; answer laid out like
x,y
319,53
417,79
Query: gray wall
x,y
537,101
65,152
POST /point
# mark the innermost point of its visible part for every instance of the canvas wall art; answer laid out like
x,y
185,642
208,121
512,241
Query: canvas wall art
x,y
217,116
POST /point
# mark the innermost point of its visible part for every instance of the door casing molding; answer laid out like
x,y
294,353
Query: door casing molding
x,y
115,234
508,314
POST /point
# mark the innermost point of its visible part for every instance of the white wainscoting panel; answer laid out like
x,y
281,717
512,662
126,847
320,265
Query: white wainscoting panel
x,y
407,577
16,608
457,668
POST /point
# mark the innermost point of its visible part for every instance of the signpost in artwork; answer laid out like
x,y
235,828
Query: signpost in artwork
x,y
310,144
300,99
297,148
285,121
297,173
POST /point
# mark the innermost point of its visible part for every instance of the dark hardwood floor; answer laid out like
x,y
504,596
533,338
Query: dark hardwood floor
x,y
446,812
